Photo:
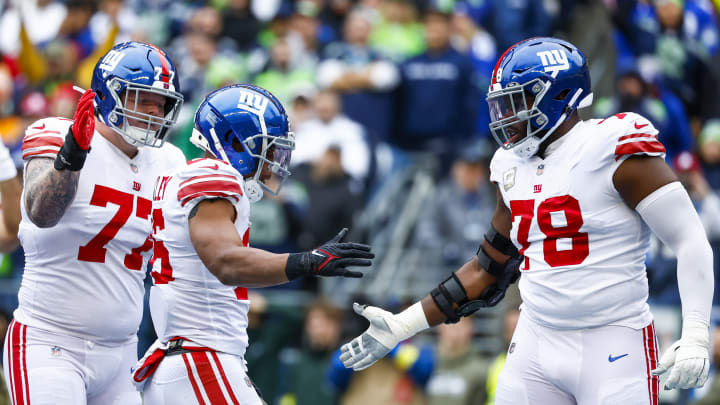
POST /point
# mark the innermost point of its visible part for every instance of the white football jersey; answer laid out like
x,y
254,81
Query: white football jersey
x,y
186,299
584,247
84,276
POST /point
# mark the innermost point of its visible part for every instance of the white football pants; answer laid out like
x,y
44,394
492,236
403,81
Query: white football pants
x,y
608,365
201,377
46,368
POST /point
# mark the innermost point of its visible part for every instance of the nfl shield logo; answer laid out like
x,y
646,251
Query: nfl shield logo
x,y
512,348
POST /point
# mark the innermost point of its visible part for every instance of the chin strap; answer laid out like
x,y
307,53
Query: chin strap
x,y
253,190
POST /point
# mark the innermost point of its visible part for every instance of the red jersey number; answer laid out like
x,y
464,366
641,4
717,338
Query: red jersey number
x,y
95,251
570,207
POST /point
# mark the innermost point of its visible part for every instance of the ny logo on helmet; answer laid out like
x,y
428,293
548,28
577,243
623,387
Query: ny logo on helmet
x,y
554,61
111,60
253,101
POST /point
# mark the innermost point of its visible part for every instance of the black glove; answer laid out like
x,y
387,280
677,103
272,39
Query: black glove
x,y
496,292
330,259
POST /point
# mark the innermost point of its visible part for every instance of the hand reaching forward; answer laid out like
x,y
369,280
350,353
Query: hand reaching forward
x,y
330,260
385,332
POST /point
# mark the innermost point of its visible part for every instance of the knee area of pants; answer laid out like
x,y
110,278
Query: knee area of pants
x,y
622,391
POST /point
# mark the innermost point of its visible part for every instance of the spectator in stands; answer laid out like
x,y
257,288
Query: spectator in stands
x,y
460,373
473,40
709,143
282,76
240,24
41,18
330,128
398,34
330,198
513,21
455,220
666,112
307,384
361,76
114,12
314,34
438,100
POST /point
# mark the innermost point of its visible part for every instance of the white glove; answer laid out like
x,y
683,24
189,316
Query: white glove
x,y
385,332
688,357
7,165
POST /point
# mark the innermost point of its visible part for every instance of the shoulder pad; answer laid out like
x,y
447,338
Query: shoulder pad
x,y
632,134
208,178
45,137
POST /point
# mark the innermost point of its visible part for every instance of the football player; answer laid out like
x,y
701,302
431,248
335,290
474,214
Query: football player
x,y
85,223
202,261
577,201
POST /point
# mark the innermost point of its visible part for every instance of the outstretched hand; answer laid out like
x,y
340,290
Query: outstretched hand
x,y
334,256
330,260
83,125
374,344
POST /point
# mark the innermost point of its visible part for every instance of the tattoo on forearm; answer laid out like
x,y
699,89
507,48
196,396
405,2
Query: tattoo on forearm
x,y
48,192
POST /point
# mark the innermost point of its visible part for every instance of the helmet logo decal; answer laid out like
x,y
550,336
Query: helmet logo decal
x,y
253,102
111,60
554,61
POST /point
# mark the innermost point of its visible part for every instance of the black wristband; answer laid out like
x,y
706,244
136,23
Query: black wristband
x,y
71,156
298,265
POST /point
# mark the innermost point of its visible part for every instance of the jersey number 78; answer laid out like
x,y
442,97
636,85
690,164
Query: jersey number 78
x,y
525,209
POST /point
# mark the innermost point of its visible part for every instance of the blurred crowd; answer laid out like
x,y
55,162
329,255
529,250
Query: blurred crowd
x,y
386,99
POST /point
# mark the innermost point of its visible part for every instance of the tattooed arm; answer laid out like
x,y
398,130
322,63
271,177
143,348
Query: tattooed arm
x,y
48,192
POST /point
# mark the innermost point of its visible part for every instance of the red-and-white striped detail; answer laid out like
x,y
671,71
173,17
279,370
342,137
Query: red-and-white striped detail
x,y
17,364
42,144
651,360
215,185
639,144
208,379
164,65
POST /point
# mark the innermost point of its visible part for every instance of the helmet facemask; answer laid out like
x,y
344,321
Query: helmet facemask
x,y
510,110
275,153
145,129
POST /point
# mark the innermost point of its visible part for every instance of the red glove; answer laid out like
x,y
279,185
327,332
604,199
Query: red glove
x,y
83,126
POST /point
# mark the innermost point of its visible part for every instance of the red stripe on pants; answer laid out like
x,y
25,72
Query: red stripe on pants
x,y
17,380
191,376
652,347
224,379
208,379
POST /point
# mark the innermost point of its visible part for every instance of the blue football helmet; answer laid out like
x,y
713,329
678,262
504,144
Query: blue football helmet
x,y
247,127
551,73
122,79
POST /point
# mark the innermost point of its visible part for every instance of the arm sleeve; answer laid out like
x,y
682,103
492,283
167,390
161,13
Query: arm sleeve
x,y
683,232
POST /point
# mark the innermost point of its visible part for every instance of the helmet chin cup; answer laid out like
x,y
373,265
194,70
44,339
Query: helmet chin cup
x,y
253,190
527,148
